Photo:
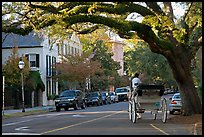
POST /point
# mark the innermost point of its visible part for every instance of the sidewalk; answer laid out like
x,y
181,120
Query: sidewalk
x,y
12,111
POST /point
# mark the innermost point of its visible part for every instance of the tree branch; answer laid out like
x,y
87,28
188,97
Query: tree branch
x,y
49,8
155,7
169,10
123,9
186,13
89,30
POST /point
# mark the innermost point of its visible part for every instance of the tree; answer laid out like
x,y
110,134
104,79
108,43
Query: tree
x,y
13,75
103,55
177,41
154,66
77,69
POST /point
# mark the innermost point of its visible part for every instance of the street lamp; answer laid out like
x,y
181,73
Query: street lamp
x,y
21,66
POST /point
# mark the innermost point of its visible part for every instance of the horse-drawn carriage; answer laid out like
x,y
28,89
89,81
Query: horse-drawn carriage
x,y
147,91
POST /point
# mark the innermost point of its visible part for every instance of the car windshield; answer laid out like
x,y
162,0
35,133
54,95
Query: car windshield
x,y
121,90
112,94
69,93
92,95
104,94
176,97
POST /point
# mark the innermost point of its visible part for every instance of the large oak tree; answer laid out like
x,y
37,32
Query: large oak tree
x,y
177,41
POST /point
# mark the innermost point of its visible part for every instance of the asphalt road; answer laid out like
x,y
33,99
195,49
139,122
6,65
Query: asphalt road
x,y
111,119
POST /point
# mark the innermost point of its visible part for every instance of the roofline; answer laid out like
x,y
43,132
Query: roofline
x,y
22,47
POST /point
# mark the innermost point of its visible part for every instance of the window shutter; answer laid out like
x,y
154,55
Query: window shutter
x,y
46,64
37,60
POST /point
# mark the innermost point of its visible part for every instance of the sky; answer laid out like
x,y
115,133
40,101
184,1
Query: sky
x,y
177,10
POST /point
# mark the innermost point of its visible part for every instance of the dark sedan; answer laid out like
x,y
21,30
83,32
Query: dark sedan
x,y
70,99
94,98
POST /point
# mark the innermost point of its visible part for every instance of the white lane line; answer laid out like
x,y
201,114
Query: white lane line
x,y
22,129
78,115
20,134
159,129
16,122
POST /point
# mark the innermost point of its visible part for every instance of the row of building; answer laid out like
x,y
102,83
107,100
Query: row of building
x,y
37,48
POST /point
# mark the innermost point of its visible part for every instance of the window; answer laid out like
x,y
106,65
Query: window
x,y
59,50
53,86
48,87
72,53
62,49
53,66
75,51
34,60
48,65
68,49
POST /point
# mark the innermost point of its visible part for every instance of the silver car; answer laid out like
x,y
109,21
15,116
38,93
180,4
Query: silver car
x,y
175,104
114,97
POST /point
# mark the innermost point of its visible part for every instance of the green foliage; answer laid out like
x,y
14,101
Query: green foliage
x,y
200,89
154,66
11,70
52,97
34,81
180,35
103,55
195,14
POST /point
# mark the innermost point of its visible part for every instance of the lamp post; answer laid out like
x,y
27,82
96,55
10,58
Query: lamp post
x,y
21,66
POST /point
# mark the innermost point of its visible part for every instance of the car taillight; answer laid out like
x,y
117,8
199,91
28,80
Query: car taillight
x,y
173,102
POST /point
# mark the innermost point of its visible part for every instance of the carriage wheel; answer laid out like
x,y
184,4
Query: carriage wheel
x,y
164,110
155,116
134,112
130,110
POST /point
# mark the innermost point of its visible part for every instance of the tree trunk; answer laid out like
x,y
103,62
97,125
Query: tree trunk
x,y
180,65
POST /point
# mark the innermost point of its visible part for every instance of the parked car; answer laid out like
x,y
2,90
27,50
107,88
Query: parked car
x,y
113,97
122,93
106,97
175,104
70,99
168,96
94,98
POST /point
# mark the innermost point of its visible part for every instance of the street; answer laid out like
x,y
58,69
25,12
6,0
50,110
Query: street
x,y
111,119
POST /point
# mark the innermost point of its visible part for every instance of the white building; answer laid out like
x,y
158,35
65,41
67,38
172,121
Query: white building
x,y
117,49
71,46
41,57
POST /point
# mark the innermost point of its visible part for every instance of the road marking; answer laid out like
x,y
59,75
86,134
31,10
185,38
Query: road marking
x,y
22,128
58,129
16,122
20,134
159,129
78,115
